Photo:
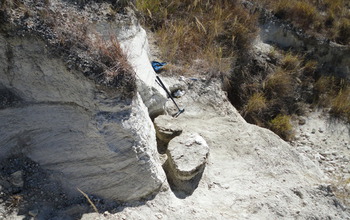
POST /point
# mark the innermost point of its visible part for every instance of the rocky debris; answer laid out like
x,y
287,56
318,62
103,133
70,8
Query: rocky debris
x,y
166,130
178,90
324,140
33,213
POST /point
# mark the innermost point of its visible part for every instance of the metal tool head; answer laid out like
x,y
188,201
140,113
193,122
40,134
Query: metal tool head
x,y
178,113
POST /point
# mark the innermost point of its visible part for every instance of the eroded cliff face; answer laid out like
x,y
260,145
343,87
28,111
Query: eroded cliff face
x,y
86,135
333,59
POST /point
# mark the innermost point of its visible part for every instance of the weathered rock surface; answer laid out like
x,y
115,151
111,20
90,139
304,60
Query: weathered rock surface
x,y
250,173
166,130
85,135
332,58
187,155
325,141
133,40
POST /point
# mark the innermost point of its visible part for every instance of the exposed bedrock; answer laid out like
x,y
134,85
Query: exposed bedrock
x,y
84,134
133,40
332,58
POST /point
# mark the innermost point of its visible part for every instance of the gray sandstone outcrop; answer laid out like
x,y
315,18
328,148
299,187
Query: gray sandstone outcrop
x,y
84,134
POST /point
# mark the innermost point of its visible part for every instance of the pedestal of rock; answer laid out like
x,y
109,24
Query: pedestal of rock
x,y
166,130
187,156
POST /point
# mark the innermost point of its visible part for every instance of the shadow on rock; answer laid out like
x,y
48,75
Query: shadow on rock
x,y
29,191
182,188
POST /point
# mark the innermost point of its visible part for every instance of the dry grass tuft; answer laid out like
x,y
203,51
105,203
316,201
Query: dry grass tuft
x,y
262,93
310,67
334,93
282,126
256,104
340,104
343,34
302,12
279,84
291,61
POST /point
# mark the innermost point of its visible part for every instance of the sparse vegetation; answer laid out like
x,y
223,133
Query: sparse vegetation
x,y
282,126
219,32
301,12
291,61
213,31
330,18
334,93
70,35
256,104
343,34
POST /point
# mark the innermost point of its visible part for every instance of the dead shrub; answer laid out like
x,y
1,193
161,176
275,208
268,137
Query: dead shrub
x,y
117,70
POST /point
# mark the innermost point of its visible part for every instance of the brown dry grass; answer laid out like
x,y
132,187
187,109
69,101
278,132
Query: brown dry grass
x,y
279,84
262,93
330,18
213,31
334,93
256,104
301,12
282,126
